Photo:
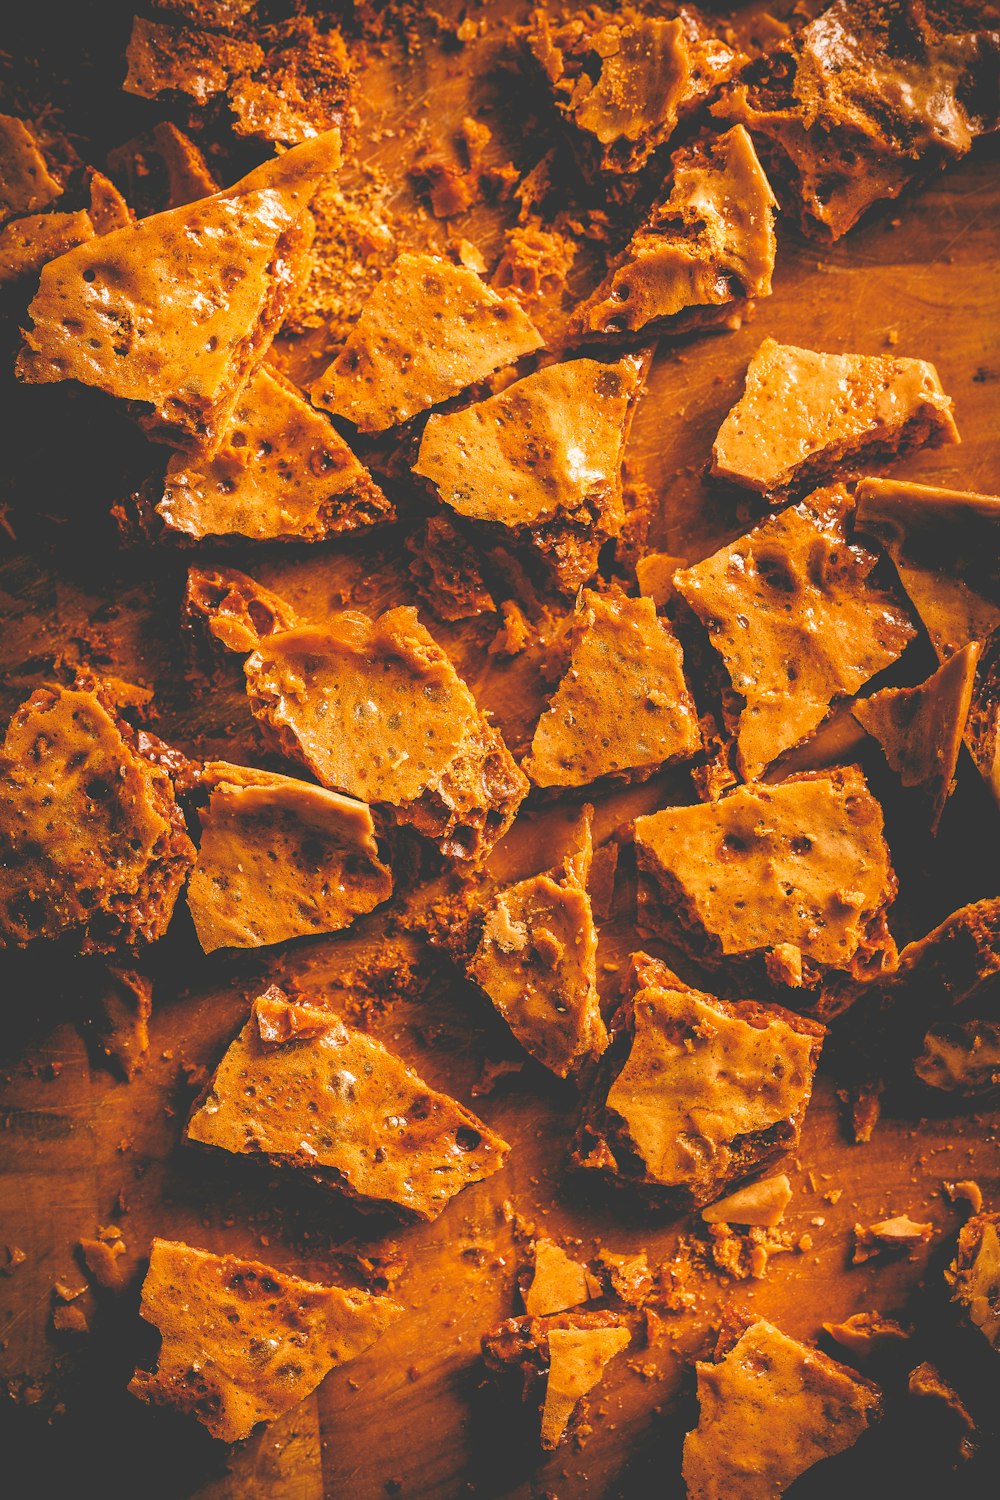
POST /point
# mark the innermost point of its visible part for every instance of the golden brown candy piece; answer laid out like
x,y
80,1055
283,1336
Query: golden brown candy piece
x,y
866,97
243,1342
974,1274
888,1235
920,728
26,184
805,416
557,1281
705,249
866,1333
946,545
536,959
428,330
281,472
799,869
375,709
792,611
624,79
26,244
541,461
770,1408
304,1091
623,707
280,858
762,1203
237,611
960,1057
92,842
707,1090
117,312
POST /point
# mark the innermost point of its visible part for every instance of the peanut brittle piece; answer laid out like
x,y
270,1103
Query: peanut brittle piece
x,y
237,611
762,1203
770,1408
304,1091
961,1057
920,728
800,869
946,546
792,612
974,1274
92,842
565,1355
866,1333
624,79
26,184
557,1281
162,168
805,416
428,331
706,247
175,312
281,472
623,707
541,461
280,858
26,244
888,1235
173,59
446,570
866,97
375,709
954,962
535,956
244,1342
705,1092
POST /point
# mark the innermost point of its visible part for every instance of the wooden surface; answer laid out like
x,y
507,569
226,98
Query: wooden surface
x,y
81,1149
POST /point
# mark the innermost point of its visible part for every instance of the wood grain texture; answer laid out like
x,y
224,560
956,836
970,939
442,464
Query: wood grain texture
x,y
412,1417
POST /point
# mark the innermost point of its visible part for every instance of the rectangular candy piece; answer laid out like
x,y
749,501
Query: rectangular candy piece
x,y
302,1090
705,249
792,611
428,331
243,1342
805,416
622,708
865,98
175,312
789,882
540,463
92,842
696,1092
559,1360
623,81
375,709
770,1408
282,472
279,859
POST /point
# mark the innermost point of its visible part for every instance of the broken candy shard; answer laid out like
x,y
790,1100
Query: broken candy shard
x,y
243,1342
303,1090
708,1090
536,959
770,1408
974,1275
26,184
92,842
704,249
557,1282
237,611
867,1333
542,459
920,728
945,544
279,859
176,311
763,1202
805,416
960,1058
623,704
429,330
577,1360
803,862
375,709
792,612
281,471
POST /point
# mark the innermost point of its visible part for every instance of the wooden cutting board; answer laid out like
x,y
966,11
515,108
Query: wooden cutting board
x,y
80,1149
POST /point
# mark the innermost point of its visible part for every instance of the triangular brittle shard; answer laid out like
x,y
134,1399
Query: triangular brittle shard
x,y
282,472
243,1342
558,1360
176,311
920,728
429,330
302,1090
